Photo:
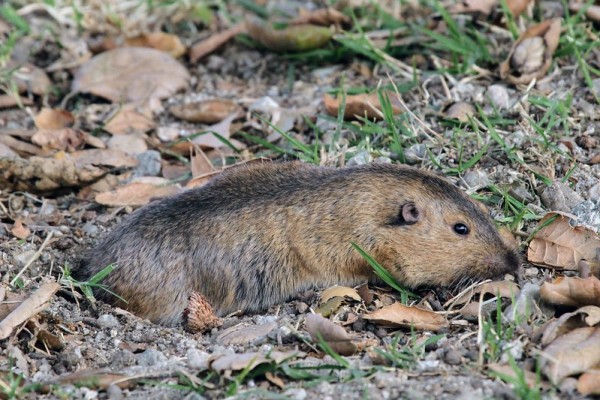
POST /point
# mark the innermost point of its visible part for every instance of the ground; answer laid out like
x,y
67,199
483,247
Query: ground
x,y
522,148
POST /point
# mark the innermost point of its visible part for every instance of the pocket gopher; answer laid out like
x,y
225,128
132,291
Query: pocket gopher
x,y
258,234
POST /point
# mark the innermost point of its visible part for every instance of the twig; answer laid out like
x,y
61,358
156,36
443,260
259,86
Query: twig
x,y
32,259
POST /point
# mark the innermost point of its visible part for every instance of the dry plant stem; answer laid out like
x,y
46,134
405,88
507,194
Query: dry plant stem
x,y
450,303
32,259
28,308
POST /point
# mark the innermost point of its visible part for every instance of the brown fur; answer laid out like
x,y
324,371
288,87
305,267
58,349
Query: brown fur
x,y
259,234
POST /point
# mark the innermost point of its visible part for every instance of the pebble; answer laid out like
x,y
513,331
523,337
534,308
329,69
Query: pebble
x,y
22,258
149,164
520,193
588,213
498,96
295,394
90,229
108,321
475,179
114,392
415,153
150,357
197,359
452,357
360,158
560,197
121,358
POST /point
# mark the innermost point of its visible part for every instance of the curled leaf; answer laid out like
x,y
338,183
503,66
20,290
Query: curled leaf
x,y
582,317
531,55
53,118
162,41
339,291
334,335
568,291
295,38
205,112
558,244
362,105
399,315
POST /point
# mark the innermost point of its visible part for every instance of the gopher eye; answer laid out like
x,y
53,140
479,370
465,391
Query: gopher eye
x,y
461,229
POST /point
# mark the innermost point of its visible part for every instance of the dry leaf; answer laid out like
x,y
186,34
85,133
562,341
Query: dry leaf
x,y
592,12
106,157
6,152
53,118
205,112
573,353
132,75
365,294
137,193
19,230
399,315
243,334
460,111
66,139
199,315
531,55
485,7
323,16
21,147
275,380
561,245
589,382
207,140
238,362
129,120
568,291
30,78
334,335
162,41
205,47
94,379
294,38
330,306
9,101
362,105
582,317
506,289
130,143
200,165
339,291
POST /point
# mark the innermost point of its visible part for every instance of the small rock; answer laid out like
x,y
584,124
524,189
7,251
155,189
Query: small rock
x,y
520,193
361,158
301,306
197,359
475,179
415,153
295,393
452,357
264,104
130,144
428,365
150,357
498,96
588,213
108,321
168,133
122,358
215,63
596,86
22,258
90,229
149,164
460,111
114,392
516,139
560,197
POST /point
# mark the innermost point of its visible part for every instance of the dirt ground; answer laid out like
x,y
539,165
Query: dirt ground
x,y
539,144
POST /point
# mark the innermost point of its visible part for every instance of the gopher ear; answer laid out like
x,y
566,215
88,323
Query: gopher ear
x,y
410,213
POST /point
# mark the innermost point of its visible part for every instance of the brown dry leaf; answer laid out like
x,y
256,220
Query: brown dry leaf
x,y
294,38
592,12
399,315
30,78
207,140
237,362
531,55
589,382
19,230
207,46
132,144
138,193
9,302
205,112
572,291
37,174
66,139
31,306
506,289
323,16
53,118
243,334
129,120
594,159
517,7
339,291
334,335
485,7
199,163
275,380
361,105
561,245
7,152
137,75
9,101
460,111
582,317
573,353
199,315
20,146
105,157
330,306
365,294
162,41
94,379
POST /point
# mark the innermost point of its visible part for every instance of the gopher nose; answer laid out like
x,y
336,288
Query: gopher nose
x,y
503,263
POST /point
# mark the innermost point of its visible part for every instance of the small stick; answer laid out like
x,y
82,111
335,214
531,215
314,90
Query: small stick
x,y
32,259
28,308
